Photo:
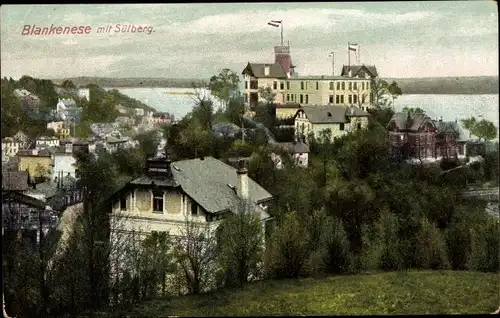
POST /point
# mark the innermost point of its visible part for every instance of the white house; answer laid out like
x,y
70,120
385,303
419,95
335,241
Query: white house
x,y
64,162
46,142
56,126
113,144
299,152
339,120
84,93
204,189
11,146
139,111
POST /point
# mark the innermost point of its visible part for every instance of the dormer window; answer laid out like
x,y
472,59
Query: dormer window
x,y
266,70
329,114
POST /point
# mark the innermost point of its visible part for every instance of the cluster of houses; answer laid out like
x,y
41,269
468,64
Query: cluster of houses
x,y
340,104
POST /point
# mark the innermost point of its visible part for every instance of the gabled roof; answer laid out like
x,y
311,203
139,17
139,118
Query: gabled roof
x,y
409,121
359,69
331,114
451,127
295,147
207,181
15,180
257,70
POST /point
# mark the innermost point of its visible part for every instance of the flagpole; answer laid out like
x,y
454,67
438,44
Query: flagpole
x,y
333,63
281,32
348,57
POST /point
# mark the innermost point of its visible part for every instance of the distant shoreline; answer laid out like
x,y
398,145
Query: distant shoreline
x,y
477,85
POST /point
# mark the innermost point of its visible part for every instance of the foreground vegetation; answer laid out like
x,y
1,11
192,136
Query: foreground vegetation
x,y
406,293
355,209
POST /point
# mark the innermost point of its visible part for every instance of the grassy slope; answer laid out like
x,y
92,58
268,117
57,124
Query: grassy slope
x,y
414,292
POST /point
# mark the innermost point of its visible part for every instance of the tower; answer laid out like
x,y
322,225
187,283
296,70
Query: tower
x,y
283,57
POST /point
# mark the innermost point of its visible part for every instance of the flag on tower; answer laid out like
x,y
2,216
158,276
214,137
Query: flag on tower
x,y
353,47
274,23
330,54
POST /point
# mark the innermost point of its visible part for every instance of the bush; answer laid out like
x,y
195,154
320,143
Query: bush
x,y
381,244
288,252
484,247
431,248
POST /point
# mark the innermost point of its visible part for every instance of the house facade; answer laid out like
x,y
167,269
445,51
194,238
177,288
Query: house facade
x,y
46,142
299,152
351,88
64,163
419,137
11,146
340,120
203,190
38,163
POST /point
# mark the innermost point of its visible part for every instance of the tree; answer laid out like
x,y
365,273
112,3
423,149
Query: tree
x,y
484,130
468,124
267,94
241,247
384,94
431,247
412,110
203,112
148,143
68,84
288,253
196,252
394,91
224,85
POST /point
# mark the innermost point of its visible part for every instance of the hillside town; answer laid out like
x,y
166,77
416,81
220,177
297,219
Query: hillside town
x,y
296,176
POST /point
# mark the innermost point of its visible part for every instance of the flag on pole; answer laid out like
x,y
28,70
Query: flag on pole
x,y
353,47
330,54
274,23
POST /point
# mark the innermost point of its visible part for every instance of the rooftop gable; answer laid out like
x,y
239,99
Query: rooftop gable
x,y
331,114
258,70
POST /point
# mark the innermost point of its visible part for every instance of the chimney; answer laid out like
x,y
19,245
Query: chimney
x,y
266,70
242,187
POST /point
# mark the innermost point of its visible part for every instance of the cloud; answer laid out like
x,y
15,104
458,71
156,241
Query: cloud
x,y
295,19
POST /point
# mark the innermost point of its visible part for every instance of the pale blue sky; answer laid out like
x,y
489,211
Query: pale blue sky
x,y
403,39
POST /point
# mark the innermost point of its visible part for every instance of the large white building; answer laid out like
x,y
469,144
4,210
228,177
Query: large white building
x,y
352,87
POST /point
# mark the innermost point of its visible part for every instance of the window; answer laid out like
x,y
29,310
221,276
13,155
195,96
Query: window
x,y
287,85
245,96
275,85
287,97
317,85
355,85
246,84
358,126
301,98
157,201
331,85
291,97
350,99
341,99
302,85
367,85
330,99
337,99
194,208
282,85
350,86
307,99
338,86
123,204
363,85
355,99
341,126
343,85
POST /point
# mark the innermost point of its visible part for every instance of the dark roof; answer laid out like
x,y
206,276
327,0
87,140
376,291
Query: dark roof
x,y
288,105
400,120
30,153
295,147
331,114
451,127
359,70
257,70
207,182
15,180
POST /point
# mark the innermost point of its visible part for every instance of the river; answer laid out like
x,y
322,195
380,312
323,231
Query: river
x,y
450,107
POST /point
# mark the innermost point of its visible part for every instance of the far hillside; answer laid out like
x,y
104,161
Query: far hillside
x,y
448,85
428,85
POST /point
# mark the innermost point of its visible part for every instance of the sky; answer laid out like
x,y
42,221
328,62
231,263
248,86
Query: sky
x,y
402,39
